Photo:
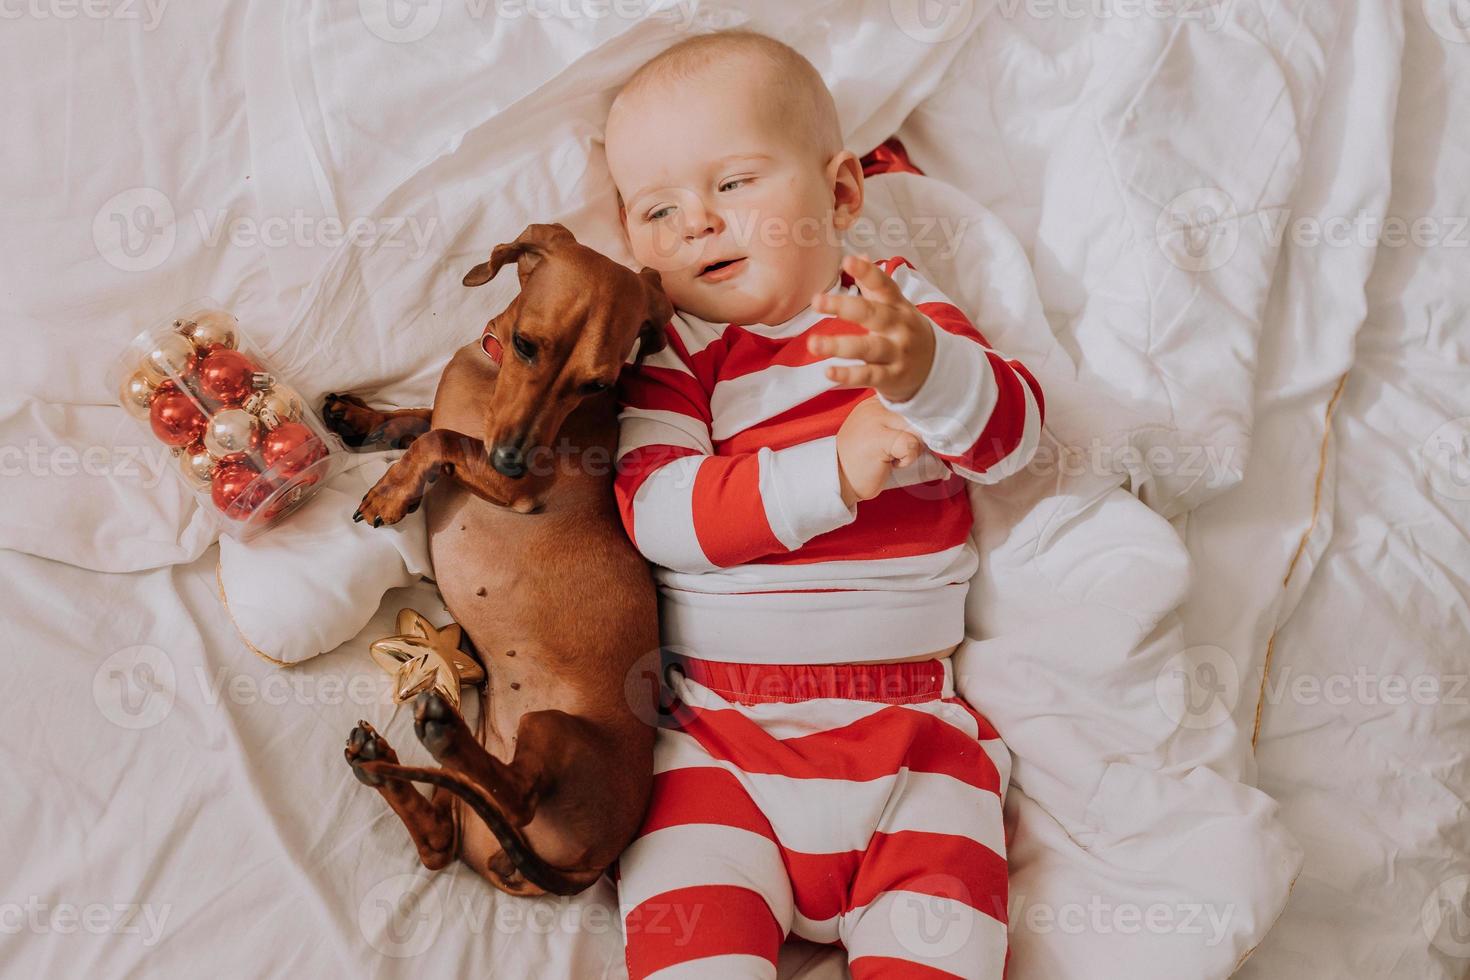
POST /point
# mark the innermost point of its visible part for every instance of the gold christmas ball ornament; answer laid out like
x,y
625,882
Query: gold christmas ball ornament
x,y
275,406
197,465
136,393
231,431
209,330
172,356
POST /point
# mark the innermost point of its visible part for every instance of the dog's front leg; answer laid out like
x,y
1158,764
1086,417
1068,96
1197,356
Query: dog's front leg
x,y
435,453
363,427
399,491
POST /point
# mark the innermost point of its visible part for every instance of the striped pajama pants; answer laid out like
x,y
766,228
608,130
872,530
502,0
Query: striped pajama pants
x,y
849,804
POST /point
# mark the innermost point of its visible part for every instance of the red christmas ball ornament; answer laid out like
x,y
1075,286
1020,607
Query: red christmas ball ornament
x,y
288,499
174,417
290,448
225,375
238,490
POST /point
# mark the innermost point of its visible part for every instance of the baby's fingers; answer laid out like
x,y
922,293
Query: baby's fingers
x,y
856,309
905,449
864,347
871,280
858,375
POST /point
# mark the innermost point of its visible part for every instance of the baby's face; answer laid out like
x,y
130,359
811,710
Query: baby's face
x,y
736,213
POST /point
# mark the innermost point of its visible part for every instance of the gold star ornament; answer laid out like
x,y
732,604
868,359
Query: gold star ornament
x,y
423,657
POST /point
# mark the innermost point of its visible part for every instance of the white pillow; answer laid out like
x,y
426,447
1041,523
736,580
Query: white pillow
x,y
312,582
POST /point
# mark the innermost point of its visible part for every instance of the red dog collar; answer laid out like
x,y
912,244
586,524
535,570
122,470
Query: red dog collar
x,y
490,344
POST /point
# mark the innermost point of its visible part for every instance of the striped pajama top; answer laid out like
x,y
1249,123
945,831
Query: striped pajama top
x,y
727,480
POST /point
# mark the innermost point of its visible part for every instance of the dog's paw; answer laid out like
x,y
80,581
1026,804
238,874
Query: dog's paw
x,y
364,744
395,496
435,722
352,419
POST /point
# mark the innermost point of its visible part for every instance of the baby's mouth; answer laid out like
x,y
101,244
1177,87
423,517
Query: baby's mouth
x,y
723,269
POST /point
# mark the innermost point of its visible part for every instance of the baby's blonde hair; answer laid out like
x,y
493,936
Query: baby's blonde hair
x,y
800,95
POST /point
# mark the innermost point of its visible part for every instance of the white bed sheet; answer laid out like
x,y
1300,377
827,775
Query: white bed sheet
x,y
1365,725
1365,528
202,840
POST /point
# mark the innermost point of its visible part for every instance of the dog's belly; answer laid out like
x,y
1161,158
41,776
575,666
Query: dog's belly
x,y
558,604
560,607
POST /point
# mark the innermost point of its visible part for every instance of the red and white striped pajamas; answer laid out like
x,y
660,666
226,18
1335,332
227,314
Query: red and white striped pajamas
x,y
857,804
851,811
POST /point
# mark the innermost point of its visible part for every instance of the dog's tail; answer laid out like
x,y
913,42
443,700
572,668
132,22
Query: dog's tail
x,y
557,881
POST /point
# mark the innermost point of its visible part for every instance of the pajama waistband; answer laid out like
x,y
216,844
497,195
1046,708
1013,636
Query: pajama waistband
x,y
901,683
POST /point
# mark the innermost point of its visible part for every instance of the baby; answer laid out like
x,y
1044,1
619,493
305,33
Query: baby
x,y
793,463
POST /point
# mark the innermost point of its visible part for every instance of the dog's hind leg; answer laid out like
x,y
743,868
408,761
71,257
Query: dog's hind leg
x,y
487,805
517,786
430,821
364,427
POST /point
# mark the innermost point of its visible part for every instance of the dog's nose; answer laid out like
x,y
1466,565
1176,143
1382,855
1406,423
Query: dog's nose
x,y
508,461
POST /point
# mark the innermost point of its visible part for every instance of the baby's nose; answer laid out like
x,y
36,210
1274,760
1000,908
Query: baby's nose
x,y
702,222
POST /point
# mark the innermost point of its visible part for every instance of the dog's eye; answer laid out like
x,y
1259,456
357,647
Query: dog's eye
x,y
594,387
524,349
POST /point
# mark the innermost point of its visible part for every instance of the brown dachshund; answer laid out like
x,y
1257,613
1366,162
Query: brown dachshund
x,y
533,563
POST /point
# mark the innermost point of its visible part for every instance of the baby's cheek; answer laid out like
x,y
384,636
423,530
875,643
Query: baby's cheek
x,y
640,240
664,247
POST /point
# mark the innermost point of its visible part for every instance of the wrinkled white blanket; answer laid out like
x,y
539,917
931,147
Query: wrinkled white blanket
x,y
1138,850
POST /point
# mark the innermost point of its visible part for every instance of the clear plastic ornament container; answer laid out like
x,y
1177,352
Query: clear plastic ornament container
x,y
243,440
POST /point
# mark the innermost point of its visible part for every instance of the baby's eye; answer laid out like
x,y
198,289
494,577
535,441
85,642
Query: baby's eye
x,y
660,214
734,182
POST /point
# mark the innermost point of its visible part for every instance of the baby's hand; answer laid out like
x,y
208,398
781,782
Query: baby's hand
x,y
899,344
871,442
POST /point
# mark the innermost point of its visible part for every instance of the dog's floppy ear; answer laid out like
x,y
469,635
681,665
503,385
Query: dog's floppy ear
x,y
651,335
533,245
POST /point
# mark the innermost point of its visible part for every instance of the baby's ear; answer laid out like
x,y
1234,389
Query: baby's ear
x,y
845,174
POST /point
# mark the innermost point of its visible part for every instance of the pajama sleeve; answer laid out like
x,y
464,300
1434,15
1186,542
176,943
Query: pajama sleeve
x,y
978,411
689,509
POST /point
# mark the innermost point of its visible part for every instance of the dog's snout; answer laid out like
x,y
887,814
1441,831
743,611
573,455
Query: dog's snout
x,y
508,461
